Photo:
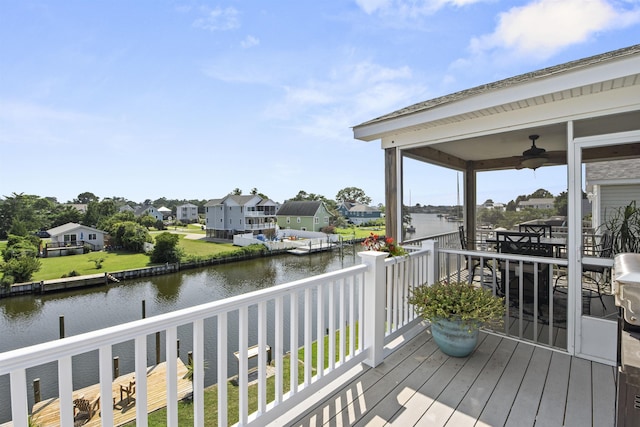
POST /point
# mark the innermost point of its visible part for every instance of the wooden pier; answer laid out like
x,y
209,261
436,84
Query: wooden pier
x,y
47,412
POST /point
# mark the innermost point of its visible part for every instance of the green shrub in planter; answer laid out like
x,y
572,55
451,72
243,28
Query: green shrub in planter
x,y
456,312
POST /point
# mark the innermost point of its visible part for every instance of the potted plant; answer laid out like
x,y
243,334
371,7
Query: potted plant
x,y
456,311
376,243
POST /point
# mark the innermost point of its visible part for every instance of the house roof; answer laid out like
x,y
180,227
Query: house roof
x,y
613,170
511,81
71,226
488,127
363,208
299,208
537,201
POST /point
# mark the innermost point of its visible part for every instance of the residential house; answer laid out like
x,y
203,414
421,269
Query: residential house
x,y
610,186
536,203
166,212
357,213
187,213
303,215
236,214
148,210
73,238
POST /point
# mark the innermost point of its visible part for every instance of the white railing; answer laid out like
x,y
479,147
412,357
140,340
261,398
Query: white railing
x,y
529,285
343,310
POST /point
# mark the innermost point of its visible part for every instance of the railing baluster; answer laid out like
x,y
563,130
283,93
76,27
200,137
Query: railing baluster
x,y
65,390
320,332
389,291
198,373
171,337
293,353
222,369
352,318
278,348
332,324
104,359
19,410
308,356
243,342
341,327
262,357
140,355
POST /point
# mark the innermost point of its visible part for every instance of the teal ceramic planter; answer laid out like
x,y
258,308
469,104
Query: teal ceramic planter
x,y
453,338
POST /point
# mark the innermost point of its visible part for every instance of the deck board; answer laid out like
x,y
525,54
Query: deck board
x,y
47,412
502,383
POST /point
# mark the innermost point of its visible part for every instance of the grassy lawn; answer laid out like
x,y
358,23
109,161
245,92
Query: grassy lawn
x,y
360,232
56,267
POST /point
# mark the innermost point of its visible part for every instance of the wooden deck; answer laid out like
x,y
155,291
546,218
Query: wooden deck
x,y
503,383
47,412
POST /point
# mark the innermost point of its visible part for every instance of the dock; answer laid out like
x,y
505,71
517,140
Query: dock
x,y
312,248
47,412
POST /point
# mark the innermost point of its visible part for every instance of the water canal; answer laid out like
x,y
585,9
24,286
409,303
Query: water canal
x,y
33,319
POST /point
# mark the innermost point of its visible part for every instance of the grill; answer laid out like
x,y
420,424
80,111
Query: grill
x,y
626,288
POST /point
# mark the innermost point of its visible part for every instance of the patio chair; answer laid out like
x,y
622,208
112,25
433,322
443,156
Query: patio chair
x,y
528,244
599,275
473,262
85,410
128,390
544,230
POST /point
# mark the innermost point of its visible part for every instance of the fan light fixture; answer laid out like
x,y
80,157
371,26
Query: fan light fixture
x,y
534,157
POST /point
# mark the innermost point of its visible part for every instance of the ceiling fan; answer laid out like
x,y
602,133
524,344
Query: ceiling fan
x,y
534,157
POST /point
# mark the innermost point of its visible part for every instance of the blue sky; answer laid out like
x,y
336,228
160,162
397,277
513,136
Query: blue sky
x,y
191,99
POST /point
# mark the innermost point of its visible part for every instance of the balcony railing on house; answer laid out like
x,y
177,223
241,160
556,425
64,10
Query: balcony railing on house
x,y
351,313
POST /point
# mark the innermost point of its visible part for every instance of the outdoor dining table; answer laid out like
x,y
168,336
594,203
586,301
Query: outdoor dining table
x,y
559,245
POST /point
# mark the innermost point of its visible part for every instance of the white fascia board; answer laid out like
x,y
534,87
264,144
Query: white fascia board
x,y
593,74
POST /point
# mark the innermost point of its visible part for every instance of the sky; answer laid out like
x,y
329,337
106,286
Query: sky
x,y
193,99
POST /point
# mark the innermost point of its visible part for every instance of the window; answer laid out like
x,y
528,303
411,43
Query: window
x,y
92,236
326,220
299,220
288,220
316,220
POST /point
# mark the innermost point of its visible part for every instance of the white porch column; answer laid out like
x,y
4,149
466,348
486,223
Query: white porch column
x,y
374,305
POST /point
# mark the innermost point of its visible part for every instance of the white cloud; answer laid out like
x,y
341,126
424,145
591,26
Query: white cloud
x,y
218,19
544,27
249,41
350,94
409,8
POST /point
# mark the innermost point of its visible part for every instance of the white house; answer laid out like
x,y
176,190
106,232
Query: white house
x,y
235,214
72,238
536,203
187,213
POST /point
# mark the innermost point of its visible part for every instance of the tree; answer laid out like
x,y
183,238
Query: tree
x,y
131,236
353,195
97,211
147,221
561,204
166,248
86,198
18,270
236,192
